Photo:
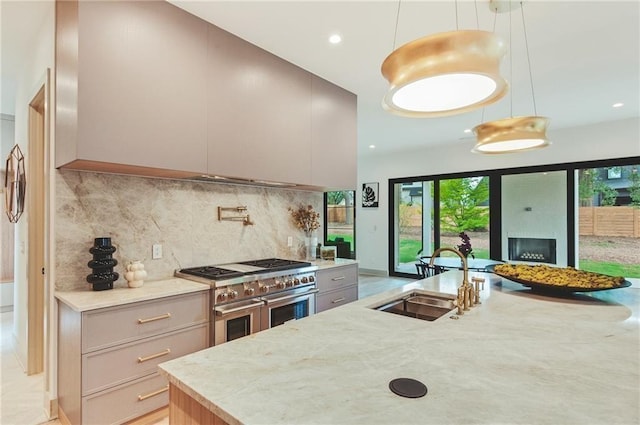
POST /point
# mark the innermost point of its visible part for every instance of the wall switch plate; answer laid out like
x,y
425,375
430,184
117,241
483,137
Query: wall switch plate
x,y
290,241
156,251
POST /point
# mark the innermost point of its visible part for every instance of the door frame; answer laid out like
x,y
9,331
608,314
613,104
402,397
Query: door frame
x,y
37,237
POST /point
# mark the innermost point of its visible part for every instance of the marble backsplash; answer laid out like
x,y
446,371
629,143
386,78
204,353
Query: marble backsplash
x,y
182,216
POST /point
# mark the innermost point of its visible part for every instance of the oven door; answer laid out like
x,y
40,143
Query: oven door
x,y
288,305
235,320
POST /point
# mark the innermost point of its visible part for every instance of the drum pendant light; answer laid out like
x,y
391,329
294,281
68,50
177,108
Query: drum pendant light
x,y
514,134
444,74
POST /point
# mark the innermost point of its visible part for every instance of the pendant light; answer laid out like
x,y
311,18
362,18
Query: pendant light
x,y
514,134
444,74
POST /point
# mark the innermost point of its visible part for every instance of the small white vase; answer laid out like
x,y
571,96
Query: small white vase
x,y
135,274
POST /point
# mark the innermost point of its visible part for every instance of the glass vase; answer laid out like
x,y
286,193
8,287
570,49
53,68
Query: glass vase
x,y
310,244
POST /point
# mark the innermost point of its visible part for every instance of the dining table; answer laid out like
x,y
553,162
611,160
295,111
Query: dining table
x,y
452,263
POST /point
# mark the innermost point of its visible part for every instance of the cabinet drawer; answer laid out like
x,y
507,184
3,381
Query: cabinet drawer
x,y
336,298
112,366
338,277
116,325
127,402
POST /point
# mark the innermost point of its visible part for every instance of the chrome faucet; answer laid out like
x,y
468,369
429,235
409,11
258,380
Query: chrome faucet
x,y
465,291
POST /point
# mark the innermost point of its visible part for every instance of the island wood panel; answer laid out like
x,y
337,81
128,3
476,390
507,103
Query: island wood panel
x,y
185,410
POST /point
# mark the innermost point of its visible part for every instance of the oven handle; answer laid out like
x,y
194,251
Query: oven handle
x,y
288,297
221,311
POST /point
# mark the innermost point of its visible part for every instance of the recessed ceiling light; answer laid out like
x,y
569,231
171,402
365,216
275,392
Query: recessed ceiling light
x,y
335,39
618,105
468,130
372,146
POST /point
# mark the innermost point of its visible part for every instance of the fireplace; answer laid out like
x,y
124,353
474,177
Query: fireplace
x,y
532,250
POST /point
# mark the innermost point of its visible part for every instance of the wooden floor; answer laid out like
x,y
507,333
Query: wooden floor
x,y
22,396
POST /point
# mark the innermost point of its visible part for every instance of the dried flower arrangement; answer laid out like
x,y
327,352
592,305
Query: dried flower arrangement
x,y
305,218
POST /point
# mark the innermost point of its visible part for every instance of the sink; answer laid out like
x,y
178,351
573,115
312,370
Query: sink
x,y
420,305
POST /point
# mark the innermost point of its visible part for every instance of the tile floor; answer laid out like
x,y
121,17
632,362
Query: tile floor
x,y
21,396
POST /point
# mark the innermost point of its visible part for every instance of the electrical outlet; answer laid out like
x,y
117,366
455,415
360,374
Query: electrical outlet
x,y
156,251
290,241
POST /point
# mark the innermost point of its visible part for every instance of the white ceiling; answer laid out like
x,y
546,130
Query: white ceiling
x,y
585,56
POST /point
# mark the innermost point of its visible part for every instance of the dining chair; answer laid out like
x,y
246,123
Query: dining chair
x,y
426,259
427,270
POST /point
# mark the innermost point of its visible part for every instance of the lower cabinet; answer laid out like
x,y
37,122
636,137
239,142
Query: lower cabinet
x,y
337,286
116,380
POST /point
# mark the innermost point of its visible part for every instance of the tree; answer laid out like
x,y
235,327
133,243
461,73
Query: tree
x,y
634,189
335,198
607,193
460,201
587,179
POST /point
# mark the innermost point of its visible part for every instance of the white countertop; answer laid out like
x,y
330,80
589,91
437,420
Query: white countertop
x,y
518,358
328,264
90,300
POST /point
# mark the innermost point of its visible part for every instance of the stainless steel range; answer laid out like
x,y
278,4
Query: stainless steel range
x,y
251,296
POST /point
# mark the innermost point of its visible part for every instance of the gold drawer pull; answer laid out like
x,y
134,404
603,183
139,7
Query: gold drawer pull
x,y
153,319
337,300
154,356
337,278
156,392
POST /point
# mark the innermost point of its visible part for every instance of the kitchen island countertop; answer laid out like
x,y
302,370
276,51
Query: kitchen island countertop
x,y
90,300
518,358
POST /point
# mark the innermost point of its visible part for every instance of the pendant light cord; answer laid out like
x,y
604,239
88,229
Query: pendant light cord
x,y
510,63
475,3
395,34
456,6
495,19
526,43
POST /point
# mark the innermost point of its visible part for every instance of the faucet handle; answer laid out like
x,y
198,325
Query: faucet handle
x,y
476,280
460,301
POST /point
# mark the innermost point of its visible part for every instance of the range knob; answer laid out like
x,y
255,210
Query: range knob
x,y
264,288
289,282
280,284
312,279
249,291
233,294
222,297
304,280
296,281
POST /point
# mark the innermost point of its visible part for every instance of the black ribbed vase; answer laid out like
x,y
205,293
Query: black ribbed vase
x,y
102,265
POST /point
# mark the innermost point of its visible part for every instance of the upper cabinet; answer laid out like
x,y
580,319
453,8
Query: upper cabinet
x,y
146,88
140,98
333,136
259,113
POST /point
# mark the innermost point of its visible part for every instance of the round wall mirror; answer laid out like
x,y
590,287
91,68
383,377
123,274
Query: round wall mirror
x,y
15,184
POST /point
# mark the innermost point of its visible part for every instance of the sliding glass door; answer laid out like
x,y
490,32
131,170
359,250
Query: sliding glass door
x,y
608,236
413,205
433,213
464,208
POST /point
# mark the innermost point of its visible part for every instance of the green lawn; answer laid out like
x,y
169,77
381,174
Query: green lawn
x,y
611,269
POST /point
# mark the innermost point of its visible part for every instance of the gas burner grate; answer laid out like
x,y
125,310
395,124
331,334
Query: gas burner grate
x,y
212,272
276,264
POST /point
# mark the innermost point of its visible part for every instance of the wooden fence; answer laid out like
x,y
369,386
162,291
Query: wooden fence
x,y
610,221
338,214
